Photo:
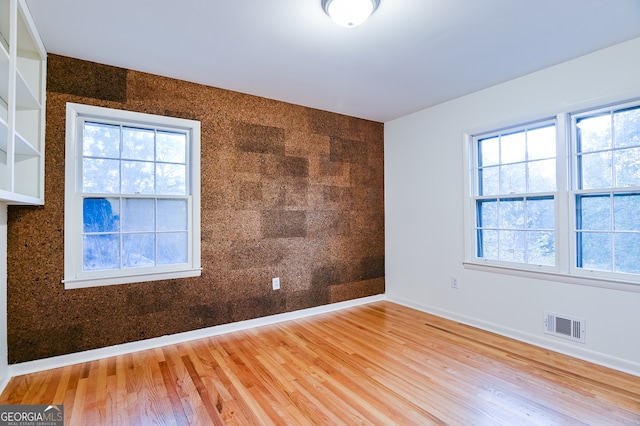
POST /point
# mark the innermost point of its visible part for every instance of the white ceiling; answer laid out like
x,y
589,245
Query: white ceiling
x,y
411,54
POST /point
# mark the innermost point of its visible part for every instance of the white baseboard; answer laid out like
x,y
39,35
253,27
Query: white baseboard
x,y
620,364
94,354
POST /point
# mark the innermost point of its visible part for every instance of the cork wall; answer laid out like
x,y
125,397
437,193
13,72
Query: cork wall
x,y
287,191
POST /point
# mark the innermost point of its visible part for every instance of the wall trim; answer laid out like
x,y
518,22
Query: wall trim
x,y
173,339
599,358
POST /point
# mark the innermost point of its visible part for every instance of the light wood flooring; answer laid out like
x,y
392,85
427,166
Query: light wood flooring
x,y
380,363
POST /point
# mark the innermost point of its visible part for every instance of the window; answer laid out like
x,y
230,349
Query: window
x,y
515,194
607,195
558,196
132,197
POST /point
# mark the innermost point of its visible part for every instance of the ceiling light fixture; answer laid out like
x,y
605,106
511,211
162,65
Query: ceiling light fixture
x,y
349,13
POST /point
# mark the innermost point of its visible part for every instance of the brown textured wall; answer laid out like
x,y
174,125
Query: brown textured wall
x,y
287,191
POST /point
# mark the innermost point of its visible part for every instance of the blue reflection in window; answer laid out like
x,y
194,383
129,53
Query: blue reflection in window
x,y
101,215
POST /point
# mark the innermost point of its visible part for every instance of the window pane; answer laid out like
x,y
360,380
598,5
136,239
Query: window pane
x,y
138,144
100,214
626,213
512,246
138,214
100,176
626,127
488,214
489,152
627,167
100,252
542,176
171,147
101,140
627,253
594,212
172,248
138,250
541,143
596,250
172,215
488,244
513,179
511,214
540,214
596,170
490,183
541,248
137,177
513,147
594,133
172,179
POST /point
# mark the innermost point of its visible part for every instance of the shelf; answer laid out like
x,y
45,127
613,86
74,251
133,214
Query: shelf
x,y
27,171
22,94
29,66
23,147
19,199
27,128
25,98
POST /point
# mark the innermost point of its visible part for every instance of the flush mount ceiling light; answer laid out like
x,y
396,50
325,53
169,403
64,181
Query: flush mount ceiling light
x,y
349,13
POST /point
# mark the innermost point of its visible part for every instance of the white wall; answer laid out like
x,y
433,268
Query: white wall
x,y
4,360
424,195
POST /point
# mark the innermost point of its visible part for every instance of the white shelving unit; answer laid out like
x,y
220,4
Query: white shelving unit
x,y
23,62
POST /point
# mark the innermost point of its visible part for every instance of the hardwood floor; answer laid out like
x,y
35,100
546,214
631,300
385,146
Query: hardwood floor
x,y
380,364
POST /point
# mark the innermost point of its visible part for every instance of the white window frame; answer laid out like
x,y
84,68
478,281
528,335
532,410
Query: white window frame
x,y
74,276
473,178
574,192
565,269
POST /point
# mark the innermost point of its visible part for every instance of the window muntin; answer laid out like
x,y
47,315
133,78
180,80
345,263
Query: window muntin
x,y
132,197
607,194
515,195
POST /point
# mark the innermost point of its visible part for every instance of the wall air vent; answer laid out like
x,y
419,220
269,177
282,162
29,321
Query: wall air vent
x,y
571,328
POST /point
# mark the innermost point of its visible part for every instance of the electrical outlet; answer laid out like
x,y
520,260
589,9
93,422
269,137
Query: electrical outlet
x,y
275,282
454,282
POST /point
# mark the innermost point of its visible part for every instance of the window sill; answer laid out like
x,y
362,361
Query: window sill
x,y
600,282
127,279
